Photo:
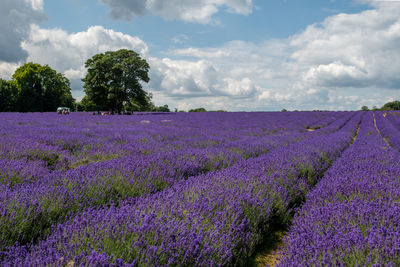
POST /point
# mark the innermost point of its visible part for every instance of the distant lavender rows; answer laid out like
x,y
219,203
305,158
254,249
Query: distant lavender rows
x,y
389,126
215,218
352,217
62,143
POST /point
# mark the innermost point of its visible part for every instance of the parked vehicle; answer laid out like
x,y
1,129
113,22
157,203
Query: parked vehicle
x,y
63,110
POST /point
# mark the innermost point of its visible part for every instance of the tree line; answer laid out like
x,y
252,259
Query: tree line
x,y
392,105
35,88
113,83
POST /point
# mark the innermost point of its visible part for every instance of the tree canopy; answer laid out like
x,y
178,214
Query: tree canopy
x,y
8,96
35,88
113,81
164,108
394,105
198,110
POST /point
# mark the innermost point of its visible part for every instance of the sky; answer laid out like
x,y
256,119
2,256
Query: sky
x,y
236,55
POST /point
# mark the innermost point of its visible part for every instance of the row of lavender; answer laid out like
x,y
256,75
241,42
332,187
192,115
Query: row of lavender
x,y
389,126
393,117
352,217
211,219
34,195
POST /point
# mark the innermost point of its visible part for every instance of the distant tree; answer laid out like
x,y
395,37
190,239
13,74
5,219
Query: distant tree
x,y
198,110
8,96
375,108
394,105
162,109
134,105
364,108
113,81
148,104
78,106
283,110
40,88
88,105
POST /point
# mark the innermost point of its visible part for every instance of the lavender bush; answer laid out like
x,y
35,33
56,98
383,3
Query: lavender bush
x,y
352,217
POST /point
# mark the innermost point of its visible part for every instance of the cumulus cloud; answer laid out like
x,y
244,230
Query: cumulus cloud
x,y
336,74
182,79
7,69
16,16
352,50
125,9
67,52
236,76
199,11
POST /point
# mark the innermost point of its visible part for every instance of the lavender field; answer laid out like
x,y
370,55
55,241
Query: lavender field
x,y
199,189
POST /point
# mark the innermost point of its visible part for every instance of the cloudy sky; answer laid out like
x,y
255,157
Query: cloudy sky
x,y
220,54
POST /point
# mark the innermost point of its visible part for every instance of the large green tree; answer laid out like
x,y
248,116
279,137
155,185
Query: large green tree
x,y
40,88
394,105
8,96
114,78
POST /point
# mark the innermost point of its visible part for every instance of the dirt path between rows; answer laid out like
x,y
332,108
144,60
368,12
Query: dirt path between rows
x,y
269,253
376,127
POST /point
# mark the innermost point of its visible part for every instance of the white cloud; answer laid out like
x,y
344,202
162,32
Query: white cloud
x,y
7,69
67,52
180,39
352,50
16,16
199,11
36,4
336,74
182,78
201,53
236,76
238,88
125,9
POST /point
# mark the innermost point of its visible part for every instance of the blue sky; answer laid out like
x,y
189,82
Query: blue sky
x,y
220,54
269,20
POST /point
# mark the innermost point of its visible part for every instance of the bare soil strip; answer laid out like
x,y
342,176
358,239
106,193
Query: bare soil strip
x,y
376,127
355,136
269,252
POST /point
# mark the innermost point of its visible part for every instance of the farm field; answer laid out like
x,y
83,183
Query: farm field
x,y
199,189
